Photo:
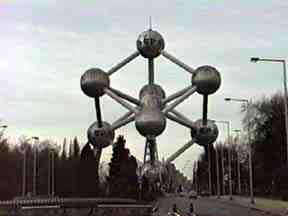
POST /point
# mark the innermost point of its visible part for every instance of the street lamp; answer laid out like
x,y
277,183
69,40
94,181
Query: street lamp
x,y
51,172
283,62
229,158
238,162
217,171
250,149
24,168
35,165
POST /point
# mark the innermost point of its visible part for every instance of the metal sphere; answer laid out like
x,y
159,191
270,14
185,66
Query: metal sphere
x,y
100,137
93,82
152,95
150,122
150,44
204,135
207,80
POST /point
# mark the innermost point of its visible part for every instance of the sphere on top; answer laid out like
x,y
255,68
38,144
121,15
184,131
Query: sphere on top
x,y
150,44
94,81
207,80
100,137
204,135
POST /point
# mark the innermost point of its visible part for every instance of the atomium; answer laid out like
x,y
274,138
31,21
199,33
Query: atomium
x,y
150,44
150,122
93,82
204,135
100,137
152,108
207,80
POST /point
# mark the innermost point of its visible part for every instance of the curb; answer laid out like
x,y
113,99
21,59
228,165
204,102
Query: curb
x,y
250,207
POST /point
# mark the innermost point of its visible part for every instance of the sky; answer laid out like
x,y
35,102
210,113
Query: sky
x,y
45,47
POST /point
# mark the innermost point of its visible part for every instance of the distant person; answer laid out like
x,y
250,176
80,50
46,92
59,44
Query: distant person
x,y
174,209
191,210
180,190
174,212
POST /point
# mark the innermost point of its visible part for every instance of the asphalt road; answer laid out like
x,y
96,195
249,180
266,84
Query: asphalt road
x,y
204,207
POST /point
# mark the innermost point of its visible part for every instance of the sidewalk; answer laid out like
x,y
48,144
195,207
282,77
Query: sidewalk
x,y
270,206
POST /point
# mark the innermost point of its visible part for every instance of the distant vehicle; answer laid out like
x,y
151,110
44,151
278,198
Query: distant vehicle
x,y
192,195
205,193
173,214
182,194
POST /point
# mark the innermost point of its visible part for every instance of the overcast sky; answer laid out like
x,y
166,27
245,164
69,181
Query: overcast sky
x,y
45,46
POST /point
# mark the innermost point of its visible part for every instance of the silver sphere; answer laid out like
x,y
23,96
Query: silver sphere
x,y
204,135
207,80
93,82
100,137
150,122
150,44
152,95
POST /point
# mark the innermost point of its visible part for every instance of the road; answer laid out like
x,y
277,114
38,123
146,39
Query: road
x,y
205,207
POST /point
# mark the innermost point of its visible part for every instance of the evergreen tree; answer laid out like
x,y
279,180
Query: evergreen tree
x,y
122,174
76,147
88,179
64,151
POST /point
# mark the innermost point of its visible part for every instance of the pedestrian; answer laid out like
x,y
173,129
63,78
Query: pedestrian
x,y
191,210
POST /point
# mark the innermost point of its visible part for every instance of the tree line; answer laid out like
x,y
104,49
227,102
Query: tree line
x,y
264,129
75,171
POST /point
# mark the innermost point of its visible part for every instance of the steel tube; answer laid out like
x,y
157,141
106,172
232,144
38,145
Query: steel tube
x,y
98,111
177,62
125,96
151,71
180,99
179,152
123,63
179,121
179,115
120,100
122,118
205,109
176,95
121,123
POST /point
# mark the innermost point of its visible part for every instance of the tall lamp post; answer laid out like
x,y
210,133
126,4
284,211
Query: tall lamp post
x,y
283,62
229,157
250,150
238,162
35,166
217,172
24,169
